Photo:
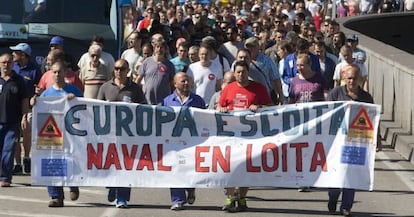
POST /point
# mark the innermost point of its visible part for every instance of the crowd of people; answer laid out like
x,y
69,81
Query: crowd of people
x,y
233,56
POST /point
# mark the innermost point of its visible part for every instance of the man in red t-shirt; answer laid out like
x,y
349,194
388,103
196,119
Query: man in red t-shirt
x,y
241,94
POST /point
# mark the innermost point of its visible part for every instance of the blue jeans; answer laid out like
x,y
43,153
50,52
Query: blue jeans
x,y
178,195
348,196
122,193
56,192
9,138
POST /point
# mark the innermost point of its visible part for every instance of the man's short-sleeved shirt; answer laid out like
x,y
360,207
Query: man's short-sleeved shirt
x,y
339,70
132,92
308,90
193,100
12,92
236,97
339,94
47,80
157,77
68,88
205,79
31,75
180,65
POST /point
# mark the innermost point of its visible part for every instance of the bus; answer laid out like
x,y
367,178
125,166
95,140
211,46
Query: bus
x,y
77,21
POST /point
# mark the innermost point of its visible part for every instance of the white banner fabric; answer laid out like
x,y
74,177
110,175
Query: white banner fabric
x,y
84,142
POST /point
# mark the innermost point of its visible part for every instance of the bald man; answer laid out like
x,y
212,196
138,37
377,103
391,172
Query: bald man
x,y
351,91
228,77
182,96
121,89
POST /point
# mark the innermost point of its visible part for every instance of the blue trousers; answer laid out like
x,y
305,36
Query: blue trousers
x,y
9,138
348,196
56,192
178,195
122,193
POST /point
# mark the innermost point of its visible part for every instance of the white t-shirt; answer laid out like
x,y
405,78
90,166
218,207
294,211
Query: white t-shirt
x,y
222,68
131,56
106,59
339,70
205,79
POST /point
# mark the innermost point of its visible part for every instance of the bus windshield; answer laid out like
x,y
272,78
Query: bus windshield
x,y
77,21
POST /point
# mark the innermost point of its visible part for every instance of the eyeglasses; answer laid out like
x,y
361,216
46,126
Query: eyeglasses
x,y
95,55
116,68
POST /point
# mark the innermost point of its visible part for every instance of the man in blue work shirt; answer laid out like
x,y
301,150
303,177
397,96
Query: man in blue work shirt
x,y
31,74
182,96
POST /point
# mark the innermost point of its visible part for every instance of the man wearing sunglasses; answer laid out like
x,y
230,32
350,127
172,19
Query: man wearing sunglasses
x,y
121,89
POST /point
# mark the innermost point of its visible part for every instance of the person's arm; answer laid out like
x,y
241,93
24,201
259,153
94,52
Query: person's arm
x,y
221,104
40,6
287,69
337,76
277,86
213,101
138,79
222,108
365,83
254,107
325,94
25,111
218,84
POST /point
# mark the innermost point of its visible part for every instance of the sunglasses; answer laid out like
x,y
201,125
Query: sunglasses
x,y
116,68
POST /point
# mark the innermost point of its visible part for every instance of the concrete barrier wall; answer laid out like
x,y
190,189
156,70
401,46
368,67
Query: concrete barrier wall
x,y
391,74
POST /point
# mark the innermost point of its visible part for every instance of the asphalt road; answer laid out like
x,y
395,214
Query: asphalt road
x,y
393,195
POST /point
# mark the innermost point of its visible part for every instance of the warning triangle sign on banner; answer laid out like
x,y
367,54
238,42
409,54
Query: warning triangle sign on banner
x,y
362,121
50,128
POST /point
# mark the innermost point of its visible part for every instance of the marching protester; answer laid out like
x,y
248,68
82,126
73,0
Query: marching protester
x,y
30,71
242,94
157,72
206,76
351,91
182,96
121,89
94,73
14,104
59,89
307,86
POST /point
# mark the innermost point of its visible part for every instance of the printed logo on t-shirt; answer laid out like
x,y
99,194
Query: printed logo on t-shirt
x,y
240,101
162,69
211,76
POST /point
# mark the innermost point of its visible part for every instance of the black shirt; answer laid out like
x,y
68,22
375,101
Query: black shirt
x,y
340,94
132,92
12,92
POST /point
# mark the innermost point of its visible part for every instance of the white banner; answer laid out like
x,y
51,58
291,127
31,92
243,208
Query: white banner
x,y
84,142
